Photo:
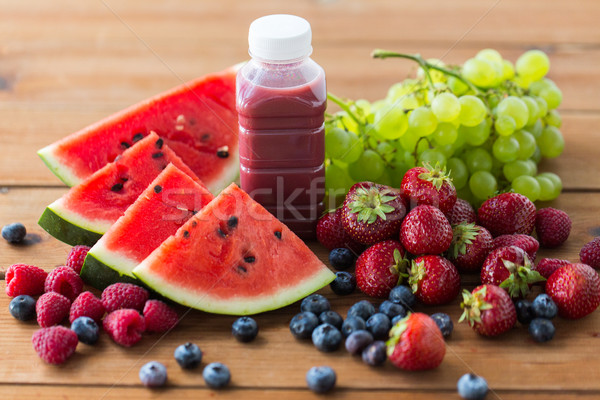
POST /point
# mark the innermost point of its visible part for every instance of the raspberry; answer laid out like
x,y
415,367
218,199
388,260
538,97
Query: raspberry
x,y
525,242
124,326
159,316
124,295
24,279
55,344
76,257
552,227
51,309
461,212
590,253
65,281
87,305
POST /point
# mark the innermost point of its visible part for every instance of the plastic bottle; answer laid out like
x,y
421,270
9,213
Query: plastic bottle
x,y
281,100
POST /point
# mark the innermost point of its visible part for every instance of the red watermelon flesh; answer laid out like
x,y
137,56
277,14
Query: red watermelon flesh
x,y
91,207
234,257
197,120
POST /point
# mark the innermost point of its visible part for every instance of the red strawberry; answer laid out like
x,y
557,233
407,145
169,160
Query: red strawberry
x,y
526,242
372,212
470,246
507,213
552,227
416,343
590,253
430,186
434,280
76,257
380,268
489,310
55,344
461,212
509,267
24,279
331,233
425,230
547,266
575,288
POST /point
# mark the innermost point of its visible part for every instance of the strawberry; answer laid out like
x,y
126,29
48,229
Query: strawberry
x,y
507,213
434,280
425,230
416,343
509,267
547,266
331,233
489,310
470,246
526,242
461,212
380,268
590,253
430,186
552,227
372,212
575,288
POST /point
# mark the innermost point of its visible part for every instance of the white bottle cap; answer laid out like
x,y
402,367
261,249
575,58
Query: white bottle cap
x,y
280,37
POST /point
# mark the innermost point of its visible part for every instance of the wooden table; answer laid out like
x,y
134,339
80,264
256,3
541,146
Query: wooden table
x,y
65,64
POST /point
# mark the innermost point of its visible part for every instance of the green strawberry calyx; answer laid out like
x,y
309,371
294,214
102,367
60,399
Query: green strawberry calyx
x,y
371,203
473,304
437,175
417,273
400,266
462,235
395,334
521,276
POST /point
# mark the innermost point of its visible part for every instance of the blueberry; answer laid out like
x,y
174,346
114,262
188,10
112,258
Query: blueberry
x,y
403,295
379,325
351,324
14,233
343,284
331,317
244,329
392,309
188,355
544,307
444,322
524,311
541,330
315,303
22,307
303,324
341,258
153,374
375,354
472,387
86,329
326,338
357,341
216,375
363,309
320,379
397,319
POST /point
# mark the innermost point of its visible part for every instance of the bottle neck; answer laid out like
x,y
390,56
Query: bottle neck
x,y
278,62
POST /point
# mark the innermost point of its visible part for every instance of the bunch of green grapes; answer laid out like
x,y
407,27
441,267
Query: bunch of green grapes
x,y
489,122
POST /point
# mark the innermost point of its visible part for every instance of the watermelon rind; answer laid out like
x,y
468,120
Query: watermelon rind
x,y
57,168
230,174
69,227
100,275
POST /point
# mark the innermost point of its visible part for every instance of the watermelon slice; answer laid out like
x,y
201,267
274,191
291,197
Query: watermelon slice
x,y
87,210
166,204
197,120
233,257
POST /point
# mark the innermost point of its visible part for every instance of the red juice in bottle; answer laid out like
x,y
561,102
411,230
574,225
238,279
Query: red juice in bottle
x,y
281,100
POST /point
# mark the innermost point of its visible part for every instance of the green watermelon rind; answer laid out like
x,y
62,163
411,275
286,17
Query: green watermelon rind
x,y
99,275
238,306
70,228
64,173
231,173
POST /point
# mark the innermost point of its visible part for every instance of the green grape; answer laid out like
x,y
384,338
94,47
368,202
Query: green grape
x,y
537,156
543,106
337,142
386,151
533,64
355,149
508,70
492,99
385,178
522,81
482,184
363,106
445,134
466,194
552,95
422,121
475,135
447,150
527,144
490,55
532,167
528,186
457,86
536,87
556,181
472,110
478,159
516,168
346,122
546,188
533,108
505,125
337,184
480,72
433,157
536,128
445,107
515,108
553,118
422,145
505,149
436,76
368,167
551,142
390,122
409,140
458,172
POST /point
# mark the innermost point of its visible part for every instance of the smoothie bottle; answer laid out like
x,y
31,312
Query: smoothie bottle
x,y
281,100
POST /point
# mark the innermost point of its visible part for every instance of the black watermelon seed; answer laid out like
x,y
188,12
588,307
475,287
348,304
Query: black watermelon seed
x,y
249,259
194,223
221,233
222,153
137,137
117,187
159,143
124,179
125,145
242,269
192,121
278,234
232,222
186,234
157,189
205,137
157,155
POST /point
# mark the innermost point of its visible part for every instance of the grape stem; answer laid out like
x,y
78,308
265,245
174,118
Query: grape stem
x,y
344,106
